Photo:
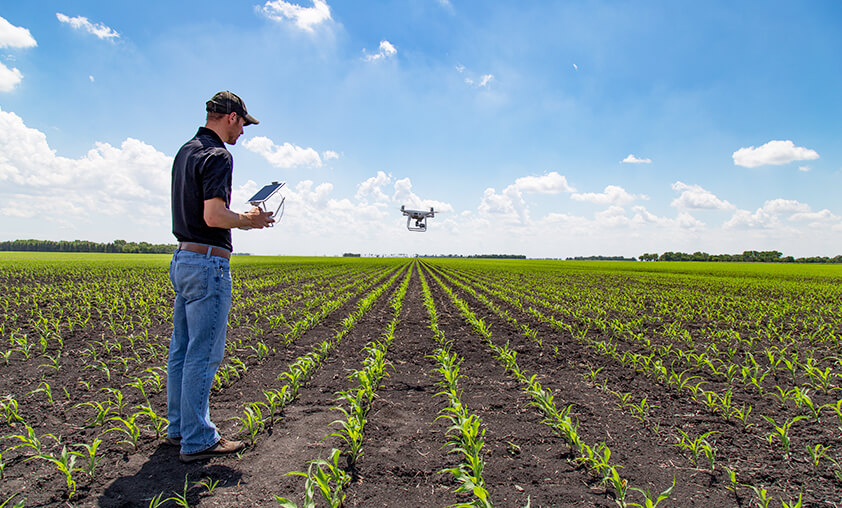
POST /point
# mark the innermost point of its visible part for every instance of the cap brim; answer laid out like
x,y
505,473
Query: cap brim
x,y
250,120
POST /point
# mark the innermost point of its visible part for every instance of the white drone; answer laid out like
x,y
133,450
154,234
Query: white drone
x,y
420,217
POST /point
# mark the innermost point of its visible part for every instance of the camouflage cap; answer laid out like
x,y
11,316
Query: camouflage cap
x,y
227,102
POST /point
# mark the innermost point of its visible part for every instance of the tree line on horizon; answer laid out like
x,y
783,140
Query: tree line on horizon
x,y
124,247
117,246
749,256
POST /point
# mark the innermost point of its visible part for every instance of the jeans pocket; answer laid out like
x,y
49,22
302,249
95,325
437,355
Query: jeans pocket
x,y
191,281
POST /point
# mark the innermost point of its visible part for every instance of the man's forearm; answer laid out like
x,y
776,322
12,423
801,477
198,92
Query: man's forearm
x,y
217,215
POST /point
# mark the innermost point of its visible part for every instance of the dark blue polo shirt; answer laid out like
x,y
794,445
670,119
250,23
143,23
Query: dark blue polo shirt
x,y
201,170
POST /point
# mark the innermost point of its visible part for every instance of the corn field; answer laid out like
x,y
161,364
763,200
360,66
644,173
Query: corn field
x,y
430,382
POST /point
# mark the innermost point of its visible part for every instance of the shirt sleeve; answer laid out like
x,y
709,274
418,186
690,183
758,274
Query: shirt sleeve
x,y
216,176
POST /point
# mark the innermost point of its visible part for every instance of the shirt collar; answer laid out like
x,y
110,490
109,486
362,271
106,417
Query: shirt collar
x,y
204,131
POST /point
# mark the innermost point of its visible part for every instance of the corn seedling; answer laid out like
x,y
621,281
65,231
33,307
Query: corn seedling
x,y
102,412
180,499
44,388
781,432
157,422
54,362
763,497
208,483
792,504
696,446
129,428
650,501
817,453
742,413
261,351
29,440
732,479
328,477
9,407
156,501
275,400
89,456
620,484
351,429
65,463
251,421
116,399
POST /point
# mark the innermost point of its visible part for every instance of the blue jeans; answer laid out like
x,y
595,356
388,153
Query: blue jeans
x,y
202,286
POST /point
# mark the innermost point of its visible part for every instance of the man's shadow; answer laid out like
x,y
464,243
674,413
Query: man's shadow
x,y
164,474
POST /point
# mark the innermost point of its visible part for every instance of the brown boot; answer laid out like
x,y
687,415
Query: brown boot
x,y
221,448
172,441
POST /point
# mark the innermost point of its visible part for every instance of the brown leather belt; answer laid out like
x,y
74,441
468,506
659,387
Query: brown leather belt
x,y
203,249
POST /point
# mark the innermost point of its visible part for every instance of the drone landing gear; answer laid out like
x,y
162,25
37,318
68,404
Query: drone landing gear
x,y
420,218
420,224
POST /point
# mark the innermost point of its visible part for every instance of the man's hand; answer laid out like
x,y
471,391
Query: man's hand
x,y
257,219
217,215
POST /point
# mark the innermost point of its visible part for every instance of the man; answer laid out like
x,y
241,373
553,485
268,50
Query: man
x,y
201,277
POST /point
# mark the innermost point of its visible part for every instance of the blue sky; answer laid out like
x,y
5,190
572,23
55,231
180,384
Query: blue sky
x,y
550,129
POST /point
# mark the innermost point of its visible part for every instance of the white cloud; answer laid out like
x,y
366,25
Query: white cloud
x,y
81,23
329,154
316,198
683,221
822,216
804,168
12,36
404,195
91,78
769,215
9,78
372,188
612,217
386,50
305,18
687,221
510,201
631,159
283,156
472,79
611,195
785,206
773,152
550,183
695,197
131,179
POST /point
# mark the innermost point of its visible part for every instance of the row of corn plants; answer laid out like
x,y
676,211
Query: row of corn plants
x,y
257,415
234,368
467,436
354,404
